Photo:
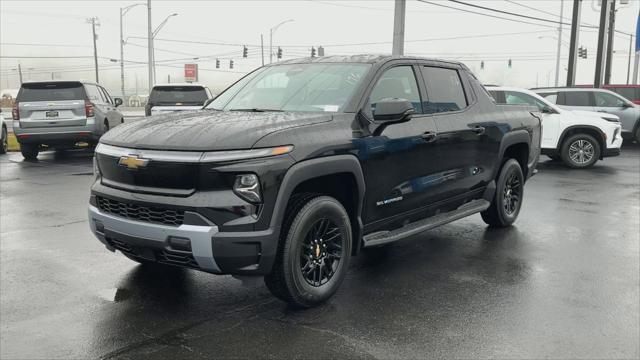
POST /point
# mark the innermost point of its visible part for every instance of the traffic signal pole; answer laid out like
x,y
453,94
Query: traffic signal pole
x,y
612,29
398,27
602,42
573,46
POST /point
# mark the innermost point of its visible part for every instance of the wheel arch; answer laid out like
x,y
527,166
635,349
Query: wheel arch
x,y
338,176
583,129
516,145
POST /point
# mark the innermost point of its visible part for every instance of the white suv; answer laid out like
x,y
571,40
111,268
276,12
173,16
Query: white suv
x,y
578,138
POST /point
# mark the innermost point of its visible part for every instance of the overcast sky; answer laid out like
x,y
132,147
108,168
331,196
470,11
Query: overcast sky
x,y
220,28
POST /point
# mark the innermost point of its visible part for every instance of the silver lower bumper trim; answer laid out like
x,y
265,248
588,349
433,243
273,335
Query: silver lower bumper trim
x,y
200,236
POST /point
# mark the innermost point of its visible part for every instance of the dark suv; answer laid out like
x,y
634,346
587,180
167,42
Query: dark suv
x,y
301,164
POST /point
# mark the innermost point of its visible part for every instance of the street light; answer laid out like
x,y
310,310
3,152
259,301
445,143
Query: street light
x,y
153,36
123,12
271,31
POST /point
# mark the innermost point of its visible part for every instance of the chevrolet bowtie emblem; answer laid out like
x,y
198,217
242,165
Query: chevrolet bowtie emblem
x,y
132,162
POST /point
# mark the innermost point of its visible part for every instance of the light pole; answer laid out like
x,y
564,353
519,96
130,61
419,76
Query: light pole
x,y
559,49
123,12
271,31
153,36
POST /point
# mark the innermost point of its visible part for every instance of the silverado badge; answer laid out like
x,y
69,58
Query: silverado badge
x,y
132,162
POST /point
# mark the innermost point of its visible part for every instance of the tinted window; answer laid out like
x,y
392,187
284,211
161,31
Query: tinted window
x,y
577,98
444,89
550,97
170,95
512,97
294,87
51,92
397,83
627,92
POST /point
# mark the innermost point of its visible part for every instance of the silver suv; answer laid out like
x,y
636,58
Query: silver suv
x,y
600,100
60,114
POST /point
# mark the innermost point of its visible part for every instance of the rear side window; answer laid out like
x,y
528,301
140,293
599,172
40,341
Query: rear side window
x,y
444,89
627,92
94,94
170,95
51,92
576,98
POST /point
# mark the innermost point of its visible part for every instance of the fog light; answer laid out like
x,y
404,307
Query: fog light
x,y
247,186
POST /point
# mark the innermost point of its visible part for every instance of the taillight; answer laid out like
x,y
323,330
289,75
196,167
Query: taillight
x,y
15,112
88,108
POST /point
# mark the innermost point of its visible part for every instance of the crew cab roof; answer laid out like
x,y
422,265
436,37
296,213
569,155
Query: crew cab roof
x,y
362,58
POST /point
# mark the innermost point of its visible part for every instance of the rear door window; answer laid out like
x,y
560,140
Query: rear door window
x,y
577,98
171,95
444,89
51,91
94,94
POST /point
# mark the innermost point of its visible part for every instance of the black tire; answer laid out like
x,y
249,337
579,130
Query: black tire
x,y
5,141
637,137
554,157
580,151
510,187
309,218
29,151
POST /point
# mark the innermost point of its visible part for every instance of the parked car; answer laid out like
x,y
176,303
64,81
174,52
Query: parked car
x,y
301,164
4,136
60,114
600,100
177,97
628,91
578,138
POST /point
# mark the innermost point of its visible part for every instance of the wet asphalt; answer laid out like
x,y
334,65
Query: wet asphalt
x,y
562,283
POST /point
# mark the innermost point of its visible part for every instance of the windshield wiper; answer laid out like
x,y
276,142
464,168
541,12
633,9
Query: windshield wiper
x,y
255,110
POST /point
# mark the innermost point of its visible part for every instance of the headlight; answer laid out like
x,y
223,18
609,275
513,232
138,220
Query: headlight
x,y
96,169
247,186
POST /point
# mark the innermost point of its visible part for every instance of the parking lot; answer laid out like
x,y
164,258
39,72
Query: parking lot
x,y
563,282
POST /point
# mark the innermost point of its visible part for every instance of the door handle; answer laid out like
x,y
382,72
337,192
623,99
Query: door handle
x,y
478,130
429,136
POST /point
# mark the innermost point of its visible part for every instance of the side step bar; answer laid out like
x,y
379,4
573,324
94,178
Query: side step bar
x,y
385,237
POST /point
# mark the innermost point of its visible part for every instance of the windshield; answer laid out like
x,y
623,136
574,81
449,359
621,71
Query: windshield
x,y
51,91
294,87
170,95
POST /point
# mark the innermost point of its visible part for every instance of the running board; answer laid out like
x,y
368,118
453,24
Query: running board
x,y
385,237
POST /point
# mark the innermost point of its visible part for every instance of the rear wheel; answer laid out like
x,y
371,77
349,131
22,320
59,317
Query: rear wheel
x,y
5,141
580,151
314,251
29,151
507,201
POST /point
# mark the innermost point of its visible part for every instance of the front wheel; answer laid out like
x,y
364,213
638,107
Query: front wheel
x,y
580,151
314,251
507,201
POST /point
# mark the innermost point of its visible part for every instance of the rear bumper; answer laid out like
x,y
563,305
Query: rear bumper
x,y
57,135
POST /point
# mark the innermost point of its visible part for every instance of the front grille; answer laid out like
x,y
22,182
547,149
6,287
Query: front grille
x,y
141,213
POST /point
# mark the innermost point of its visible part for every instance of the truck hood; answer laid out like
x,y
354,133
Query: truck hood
x,y
207,130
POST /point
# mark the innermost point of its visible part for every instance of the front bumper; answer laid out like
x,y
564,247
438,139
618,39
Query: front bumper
x,y
143,239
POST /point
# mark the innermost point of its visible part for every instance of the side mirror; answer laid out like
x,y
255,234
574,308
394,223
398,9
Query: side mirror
x,y
547,110
206,103
393,110
626,105
118,101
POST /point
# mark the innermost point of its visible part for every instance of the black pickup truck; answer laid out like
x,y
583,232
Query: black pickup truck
x,y
299,165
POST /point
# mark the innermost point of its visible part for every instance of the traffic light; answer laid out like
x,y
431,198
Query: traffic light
x,y
230,64
509,64
482,65
245,52
320,51
313,52
279,53
582,52
217,63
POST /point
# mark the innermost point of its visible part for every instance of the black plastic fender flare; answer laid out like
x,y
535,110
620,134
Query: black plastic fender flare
x,y
512,138
310,169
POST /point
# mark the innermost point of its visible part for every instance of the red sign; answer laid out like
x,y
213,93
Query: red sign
x,y
190,72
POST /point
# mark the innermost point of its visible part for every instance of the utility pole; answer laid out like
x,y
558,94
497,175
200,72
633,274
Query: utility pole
x,y
398,27
602,42
573,46
94,22
262,48
559,50
630,56
612,29
121,56
20,73
150,44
